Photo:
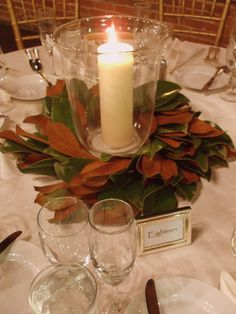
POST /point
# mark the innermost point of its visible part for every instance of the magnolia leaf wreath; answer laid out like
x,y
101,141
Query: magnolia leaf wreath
x,y
180,150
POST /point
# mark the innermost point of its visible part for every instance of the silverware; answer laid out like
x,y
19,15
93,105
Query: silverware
x,y
36,65
151,297
195,55
219,70
163,69
211,57
8,240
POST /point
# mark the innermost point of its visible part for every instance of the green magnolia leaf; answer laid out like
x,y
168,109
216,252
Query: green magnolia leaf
x,y
202,161
125,178
165,92
53,153
214,161
179,101
13,147
70,167
219,151
186,191
61,112
45,167
173,128
134,192
152,148
160,201
113,191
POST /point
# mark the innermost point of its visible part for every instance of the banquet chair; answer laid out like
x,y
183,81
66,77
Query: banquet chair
x,y
196,20
23,17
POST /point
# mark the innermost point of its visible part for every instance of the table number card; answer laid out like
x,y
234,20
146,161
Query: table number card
x,y
161,232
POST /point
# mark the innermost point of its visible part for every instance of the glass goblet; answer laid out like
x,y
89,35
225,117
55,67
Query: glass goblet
x,y
230,93
47,24
112,244
62,226
233,242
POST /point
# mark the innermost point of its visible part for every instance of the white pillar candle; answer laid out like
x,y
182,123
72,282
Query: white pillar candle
x,y
115,67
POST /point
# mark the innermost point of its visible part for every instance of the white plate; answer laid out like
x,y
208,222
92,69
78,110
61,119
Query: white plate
x,y
27,87
181,295
195,76
19,264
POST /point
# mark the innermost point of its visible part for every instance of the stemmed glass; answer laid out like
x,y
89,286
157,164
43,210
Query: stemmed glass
x,y
47,25
5,100
230,93
233,242
112,244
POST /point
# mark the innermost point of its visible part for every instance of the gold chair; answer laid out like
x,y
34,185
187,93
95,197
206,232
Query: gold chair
x,y
23,16
199,20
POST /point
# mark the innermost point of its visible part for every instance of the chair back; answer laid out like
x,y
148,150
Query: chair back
x,y
23,16
199,20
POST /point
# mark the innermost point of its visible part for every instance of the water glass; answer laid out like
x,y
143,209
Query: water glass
x,y
230,93
47,24
233,242
112,243
62,226
63,289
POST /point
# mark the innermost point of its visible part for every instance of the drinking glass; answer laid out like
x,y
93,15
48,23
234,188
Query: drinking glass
x,y
47,25
63,289
112,244
62,226
5,100
233,242
230,93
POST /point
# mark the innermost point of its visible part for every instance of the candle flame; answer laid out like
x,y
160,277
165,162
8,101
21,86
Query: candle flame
x,y
112,37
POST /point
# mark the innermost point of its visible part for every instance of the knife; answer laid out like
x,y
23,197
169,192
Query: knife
x,y
8,240
151,297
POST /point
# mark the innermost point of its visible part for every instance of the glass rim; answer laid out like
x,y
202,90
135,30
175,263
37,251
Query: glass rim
x,y
113,232
54,266
45,208
100,17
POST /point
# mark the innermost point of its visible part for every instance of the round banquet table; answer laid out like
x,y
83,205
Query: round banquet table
x,y
213,208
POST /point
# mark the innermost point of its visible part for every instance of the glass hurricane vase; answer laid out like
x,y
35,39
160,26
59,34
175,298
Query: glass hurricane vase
x,y
111,67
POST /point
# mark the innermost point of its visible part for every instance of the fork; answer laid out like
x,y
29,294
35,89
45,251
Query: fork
x,y
36,65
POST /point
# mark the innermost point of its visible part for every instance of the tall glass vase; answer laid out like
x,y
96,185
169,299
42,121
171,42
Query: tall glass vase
x,y
111,66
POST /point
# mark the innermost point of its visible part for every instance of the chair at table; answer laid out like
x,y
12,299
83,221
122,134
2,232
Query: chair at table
x,y
24,20
196,20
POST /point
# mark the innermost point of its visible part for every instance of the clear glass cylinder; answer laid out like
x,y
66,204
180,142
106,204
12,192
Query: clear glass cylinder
x,y
111,67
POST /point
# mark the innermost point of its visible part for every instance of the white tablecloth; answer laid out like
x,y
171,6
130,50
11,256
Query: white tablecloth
x,y
213,209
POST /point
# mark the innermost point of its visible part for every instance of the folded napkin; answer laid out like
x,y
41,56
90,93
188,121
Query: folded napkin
x,y
182,51
228,285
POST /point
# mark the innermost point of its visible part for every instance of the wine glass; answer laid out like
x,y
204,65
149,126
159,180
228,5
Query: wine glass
x,y
112,244
5,100
47,24
230,93
63,234
233,242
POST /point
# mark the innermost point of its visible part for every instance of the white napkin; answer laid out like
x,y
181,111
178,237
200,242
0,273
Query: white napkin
x,y
182,51
228,285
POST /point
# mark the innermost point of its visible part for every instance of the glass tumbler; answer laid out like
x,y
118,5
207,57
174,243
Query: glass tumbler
x,y
63,289
62,226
